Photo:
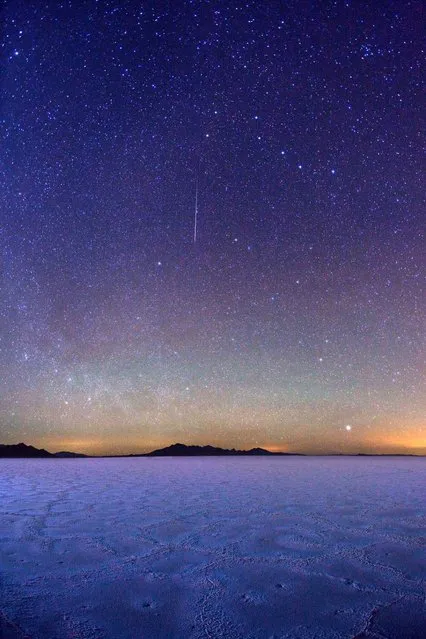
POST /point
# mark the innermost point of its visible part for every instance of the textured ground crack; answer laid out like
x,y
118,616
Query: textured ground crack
x,y
371,617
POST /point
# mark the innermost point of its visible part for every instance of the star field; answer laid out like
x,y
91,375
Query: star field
x,y
296,321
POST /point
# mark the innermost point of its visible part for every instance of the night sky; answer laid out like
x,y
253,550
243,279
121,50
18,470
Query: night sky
x,y
296,319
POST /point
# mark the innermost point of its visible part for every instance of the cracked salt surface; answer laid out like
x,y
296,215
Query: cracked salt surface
x,y
240,548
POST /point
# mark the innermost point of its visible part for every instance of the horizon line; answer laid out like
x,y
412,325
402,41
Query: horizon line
x,y
273,453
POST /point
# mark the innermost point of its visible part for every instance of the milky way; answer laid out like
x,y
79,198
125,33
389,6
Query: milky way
x,y
296,320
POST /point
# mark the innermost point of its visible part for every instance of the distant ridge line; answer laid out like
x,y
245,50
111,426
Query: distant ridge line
x,y
19,451
182,450
175,450
23,451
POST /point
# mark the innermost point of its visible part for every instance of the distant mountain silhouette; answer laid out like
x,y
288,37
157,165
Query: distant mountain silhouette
x,y
22,450
181,450
175,450
66,453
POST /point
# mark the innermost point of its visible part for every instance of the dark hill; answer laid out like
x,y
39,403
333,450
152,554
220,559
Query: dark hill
x,y
65,454
23,451
175,450
181,450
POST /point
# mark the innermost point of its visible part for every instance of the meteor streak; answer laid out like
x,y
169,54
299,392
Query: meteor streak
x,y
196,210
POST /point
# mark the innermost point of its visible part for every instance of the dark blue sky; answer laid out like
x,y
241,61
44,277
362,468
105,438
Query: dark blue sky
x,y
298,312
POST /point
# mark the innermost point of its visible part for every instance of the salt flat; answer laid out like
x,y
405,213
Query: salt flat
x,y
213,547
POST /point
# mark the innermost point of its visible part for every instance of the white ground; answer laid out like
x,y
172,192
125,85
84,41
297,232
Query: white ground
x,y
239,548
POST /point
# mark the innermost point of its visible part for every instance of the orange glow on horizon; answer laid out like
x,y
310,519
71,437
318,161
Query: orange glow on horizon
x,y
111,446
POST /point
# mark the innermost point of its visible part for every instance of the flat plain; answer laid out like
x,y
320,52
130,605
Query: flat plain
x,y
210,548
